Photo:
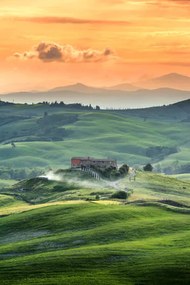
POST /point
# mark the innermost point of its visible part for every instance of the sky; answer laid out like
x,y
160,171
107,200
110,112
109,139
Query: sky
x,y
48,43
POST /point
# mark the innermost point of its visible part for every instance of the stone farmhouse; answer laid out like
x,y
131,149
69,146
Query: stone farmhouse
x,y
88,162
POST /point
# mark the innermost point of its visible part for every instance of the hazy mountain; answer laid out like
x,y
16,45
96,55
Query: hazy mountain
x,y
102,97
124,87
172,80
79,87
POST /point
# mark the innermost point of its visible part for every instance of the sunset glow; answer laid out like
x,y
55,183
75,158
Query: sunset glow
x,y
97,42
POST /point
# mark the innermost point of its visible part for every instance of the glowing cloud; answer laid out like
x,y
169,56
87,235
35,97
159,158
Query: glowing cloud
x,y
68,20
49,52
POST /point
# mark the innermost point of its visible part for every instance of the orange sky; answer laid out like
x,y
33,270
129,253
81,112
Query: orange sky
x,y
97,42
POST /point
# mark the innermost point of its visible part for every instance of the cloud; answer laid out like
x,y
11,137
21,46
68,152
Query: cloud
x,y
49,52
113,1
69,20
166,2
186,2
175,2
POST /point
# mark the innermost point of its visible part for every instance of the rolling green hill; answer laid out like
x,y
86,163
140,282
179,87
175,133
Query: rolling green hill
x,y
47,136
73,185
46,237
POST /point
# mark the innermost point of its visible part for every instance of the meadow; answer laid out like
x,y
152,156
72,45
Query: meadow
x,y
69,230
47,137
98,242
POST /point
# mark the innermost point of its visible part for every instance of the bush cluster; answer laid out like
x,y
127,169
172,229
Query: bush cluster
x,y
112,173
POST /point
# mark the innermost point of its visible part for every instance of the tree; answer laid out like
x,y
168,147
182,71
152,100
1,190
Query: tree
x,y
148,167
124,169
45,114
13,144
120,195
97,197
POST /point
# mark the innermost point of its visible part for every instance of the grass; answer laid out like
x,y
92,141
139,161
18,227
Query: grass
x,y
95,244
183,177
155,187
143,241
72,185
6,182
124,136
50,234
69,186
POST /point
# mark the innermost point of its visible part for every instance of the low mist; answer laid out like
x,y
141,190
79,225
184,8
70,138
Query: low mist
x,y
63,177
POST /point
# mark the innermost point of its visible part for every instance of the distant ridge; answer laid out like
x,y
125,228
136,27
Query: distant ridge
x,y
183,105
171,80
78,87
173,76
105,98
124,87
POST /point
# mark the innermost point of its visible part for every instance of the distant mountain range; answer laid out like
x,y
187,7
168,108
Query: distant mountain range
x,y
172,80
119,96
124,87
79,88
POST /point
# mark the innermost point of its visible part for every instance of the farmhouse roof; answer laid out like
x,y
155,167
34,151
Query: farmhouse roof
x,y
92,158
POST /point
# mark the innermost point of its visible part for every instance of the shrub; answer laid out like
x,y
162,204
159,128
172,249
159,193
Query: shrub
x,y
97,197
111,172
120,195
124,169
148,167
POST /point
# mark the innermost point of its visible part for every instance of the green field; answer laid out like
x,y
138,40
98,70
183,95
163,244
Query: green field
x,y
47,137
6,182
95,244
70,230
183,177
63,239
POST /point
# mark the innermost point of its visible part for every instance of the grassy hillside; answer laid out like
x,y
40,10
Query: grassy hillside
x,y
47,136
68,229
4,183
148,188
50,234
183,177
95,244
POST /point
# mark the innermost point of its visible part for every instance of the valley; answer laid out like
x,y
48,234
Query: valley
x,y
62,226
47,136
